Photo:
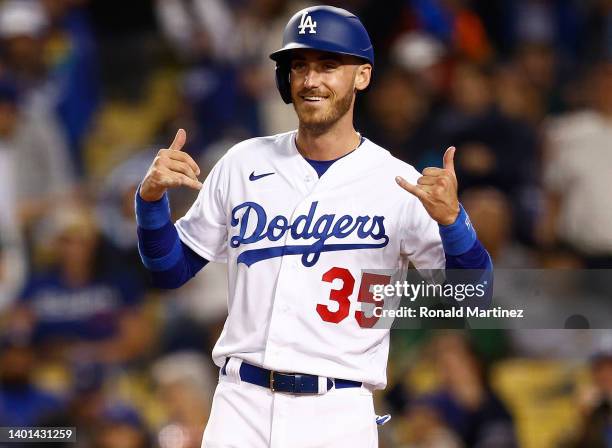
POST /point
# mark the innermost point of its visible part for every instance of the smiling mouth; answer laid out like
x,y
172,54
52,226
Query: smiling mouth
x,y
313,98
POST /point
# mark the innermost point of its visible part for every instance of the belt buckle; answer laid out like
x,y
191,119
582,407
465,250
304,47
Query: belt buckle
x,y
272,380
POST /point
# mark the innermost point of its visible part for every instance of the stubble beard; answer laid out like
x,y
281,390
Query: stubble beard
x,y
318,122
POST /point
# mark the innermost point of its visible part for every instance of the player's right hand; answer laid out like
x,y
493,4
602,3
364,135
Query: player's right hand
x,y
171,168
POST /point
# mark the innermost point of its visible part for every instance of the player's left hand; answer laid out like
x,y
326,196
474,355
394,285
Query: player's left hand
x,y
437,190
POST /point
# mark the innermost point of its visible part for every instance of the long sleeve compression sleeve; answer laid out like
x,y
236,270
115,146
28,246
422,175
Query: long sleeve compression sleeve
x,y
170,261
467,261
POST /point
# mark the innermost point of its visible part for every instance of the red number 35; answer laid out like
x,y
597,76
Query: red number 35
x,y
341,296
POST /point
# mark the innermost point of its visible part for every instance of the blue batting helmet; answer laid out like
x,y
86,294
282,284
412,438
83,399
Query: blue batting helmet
x,y
323,28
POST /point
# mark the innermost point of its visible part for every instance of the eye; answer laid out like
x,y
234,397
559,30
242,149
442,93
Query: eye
x,y
298,65
330,65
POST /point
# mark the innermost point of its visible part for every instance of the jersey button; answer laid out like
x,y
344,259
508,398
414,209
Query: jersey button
x,y
308,178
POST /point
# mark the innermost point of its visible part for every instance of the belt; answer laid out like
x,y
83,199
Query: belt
x,y
294,383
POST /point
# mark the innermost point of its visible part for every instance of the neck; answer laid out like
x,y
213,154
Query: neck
x,y
329,144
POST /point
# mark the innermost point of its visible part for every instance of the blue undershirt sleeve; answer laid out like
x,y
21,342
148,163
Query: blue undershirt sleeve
x,y
461,245
170,261
463,251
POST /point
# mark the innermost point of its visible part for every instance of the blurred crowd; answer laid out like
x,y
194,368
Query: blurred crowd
x,y
90,90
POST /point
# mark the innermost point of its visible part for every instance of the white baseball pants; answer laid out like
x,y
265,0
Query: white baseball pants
x,y
245,415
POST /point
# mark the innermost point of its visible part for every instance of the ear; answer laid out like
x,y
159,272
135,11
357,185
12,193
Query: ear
x,y
363,76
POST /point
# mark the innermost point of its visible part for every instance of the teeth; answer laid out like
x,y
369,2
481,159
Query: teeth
x,y
314,98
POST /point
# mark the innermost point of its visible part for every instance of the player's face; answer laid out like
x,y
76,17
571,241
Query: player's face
x,y
323,86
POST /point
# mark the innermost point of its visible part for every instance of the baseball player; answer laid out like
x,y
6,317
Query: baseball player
x,y
297,217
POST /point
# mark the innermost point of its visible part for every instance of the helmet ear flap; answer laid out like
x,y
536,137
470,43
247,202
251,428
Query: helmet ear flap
x,y
283,83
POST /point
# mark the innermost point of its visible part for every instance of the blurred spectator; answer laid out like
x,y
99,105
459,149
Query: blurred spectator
x,y
213,104
194,315
516,97
493,150
22,402
78,308
265,19
491,214
203,33
115,213
425,428
573,345
136,109
595,39
35,137
121,426
73,70
194,27
47,47
90,394
86,400
465,401
534,21
454,23
8,123
12,254
551,22
399,112
230,84
23,24
577,173
140,88
38,148
596,402
12,267
427,61
406,97
538,64
185,387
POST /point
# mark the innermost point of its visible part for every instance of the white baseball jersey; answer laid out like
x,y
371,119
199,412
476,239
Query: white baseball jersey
x,y
296,246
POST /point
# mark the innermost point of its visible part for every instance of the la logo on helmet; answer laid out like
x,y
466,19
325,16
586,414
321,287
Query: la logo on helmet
x,y
307,22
